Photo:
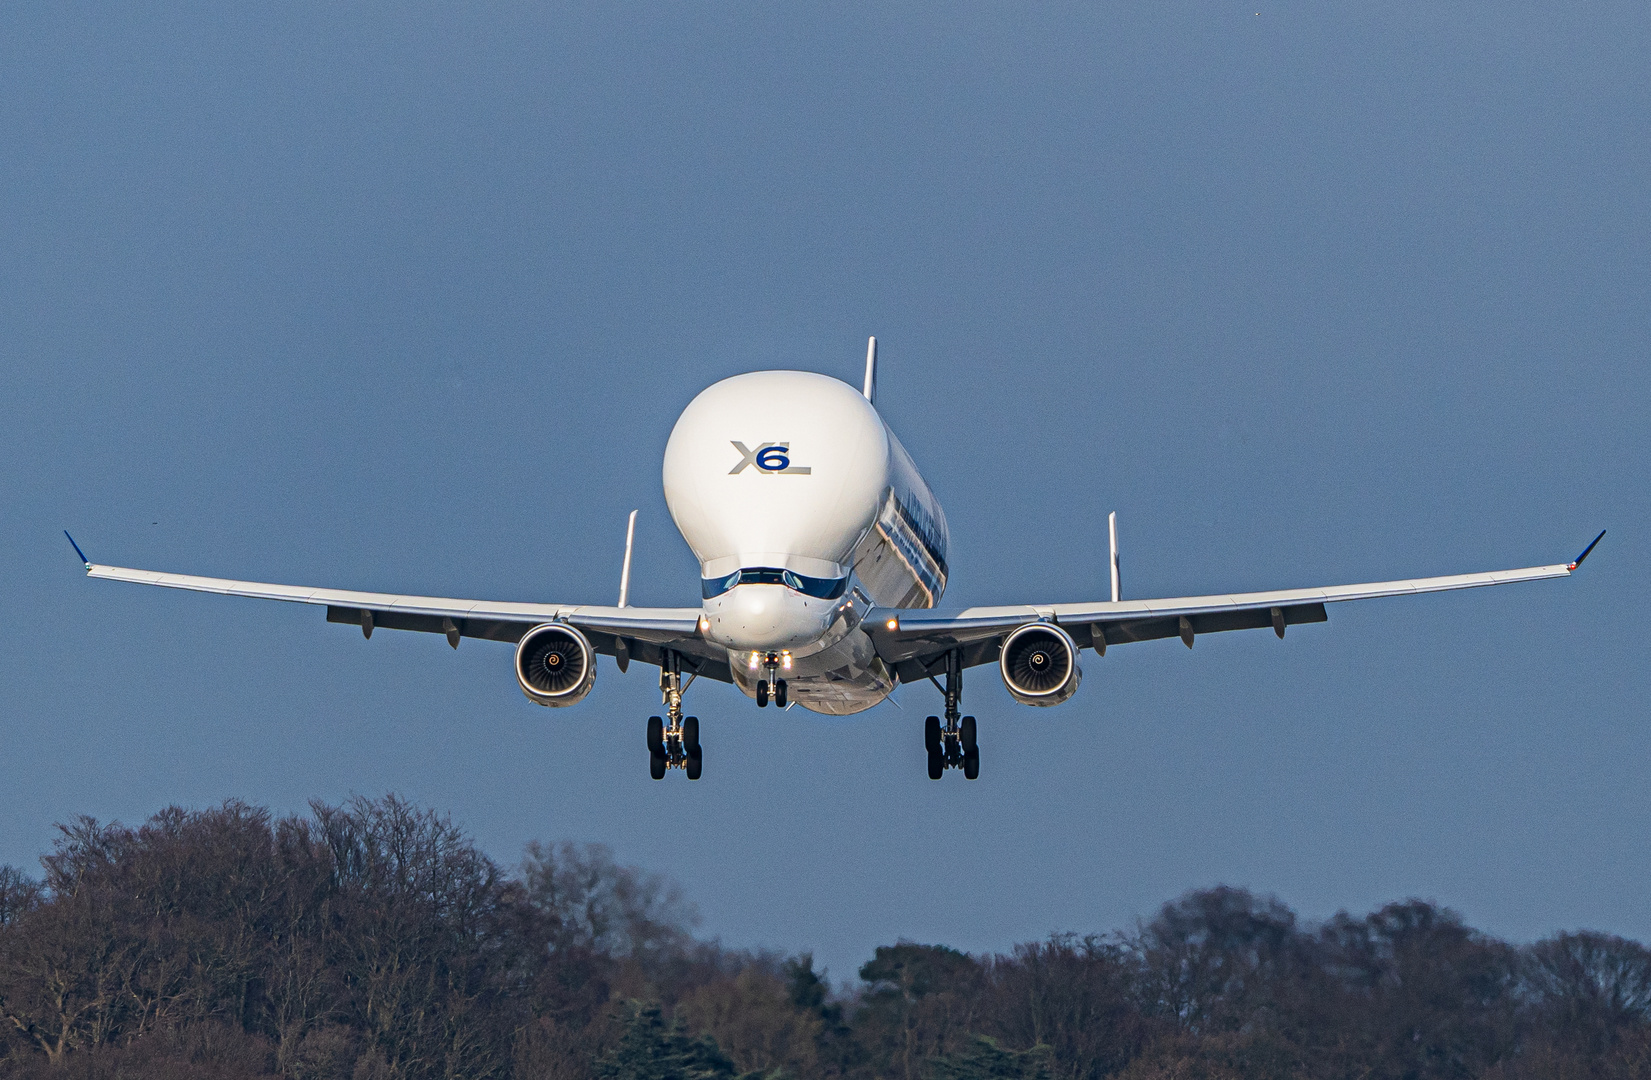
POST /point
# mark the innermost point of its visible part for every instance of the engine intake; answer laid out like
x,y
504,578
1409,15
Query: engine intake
x,y
1039,663
555,665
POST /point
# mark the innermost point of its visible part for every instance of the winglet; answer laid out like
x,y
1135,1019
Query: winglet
x,y
88,562
1586,550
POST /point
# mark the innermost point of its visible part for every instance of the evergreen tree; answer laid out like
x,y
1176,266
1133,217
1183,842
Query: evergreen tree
x,y
984,1059
650,1049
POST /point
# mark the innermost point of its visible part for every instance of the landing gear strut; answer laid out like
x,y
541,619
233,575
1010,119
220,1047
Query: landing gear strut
x,y
771,681
953,745
673,741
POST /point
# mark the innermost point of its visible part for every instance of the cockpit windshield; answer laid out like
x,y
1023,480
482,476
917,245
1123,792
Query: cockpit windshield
x,y
820,588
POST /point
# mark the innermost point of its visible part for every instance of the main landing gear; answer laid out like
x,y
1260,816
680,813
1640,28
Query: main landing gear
x,y
952,746
771,667
673,744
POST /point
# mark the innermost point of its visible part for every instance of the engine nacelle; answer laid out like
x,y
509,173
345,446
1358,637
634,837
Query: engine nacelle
x,y
555,665
1039,663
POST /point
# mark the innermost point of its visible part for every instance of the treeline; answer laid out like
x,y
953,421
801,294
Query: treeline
x,y
374,940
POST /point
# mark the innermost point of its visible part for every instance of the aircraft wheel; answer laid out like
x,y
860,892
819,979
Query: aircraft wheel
x,y
762,693
690,736
931,735
656,736
971,764
780,693
967,731
695,764
937,765
656,765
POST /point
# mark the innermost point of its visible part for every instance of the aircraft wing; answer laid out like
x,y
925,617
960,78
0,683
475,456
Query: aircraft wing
x,y
622,632
914,642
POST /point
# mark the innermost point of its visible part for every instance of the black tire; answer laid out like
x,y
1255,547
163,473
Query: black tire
x,y
656,736
931,735
762,693
971,765
967,731
656,765
780,695
937,765
690,736
695,764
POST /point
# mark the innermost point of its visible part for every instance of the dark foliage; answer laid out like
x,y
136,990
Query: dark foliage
x,y
373,941
984,1059
651,1049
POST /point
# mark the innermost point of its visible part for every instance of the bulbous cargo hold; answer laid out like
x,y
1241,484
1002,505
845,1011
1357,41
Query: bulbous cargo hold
x,y
1039,663
794,471
804,512
555,665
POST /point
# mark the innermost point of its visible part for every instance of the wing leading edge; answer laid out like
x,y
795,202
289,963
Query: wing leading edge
x,y
911,641
628,632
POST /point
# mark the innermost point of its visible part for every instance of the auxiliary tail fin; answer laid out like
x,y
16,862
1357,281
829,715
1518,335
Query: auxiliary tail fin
x,y
871,372
1112,538
625,572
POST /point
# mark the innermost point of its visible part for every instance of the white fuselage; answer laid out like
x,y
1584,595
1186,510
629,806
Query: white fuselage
x,y
804,511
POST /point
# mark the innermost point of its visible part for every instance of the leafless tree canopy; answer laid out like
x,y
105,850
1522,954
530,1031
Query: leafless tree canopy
x,y
374,940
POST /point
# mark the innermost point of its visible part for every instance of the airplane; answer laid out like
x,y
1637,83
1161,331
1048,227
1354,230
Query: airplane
x,y
822,559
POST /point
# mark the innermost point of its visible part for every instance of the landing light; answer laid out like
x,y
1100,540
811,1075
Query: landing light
x,y
894,624
785,661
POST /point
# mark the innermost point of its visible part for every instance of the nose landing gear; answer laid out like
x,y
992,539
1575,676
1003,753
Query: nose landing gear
x,y
953,745
673,741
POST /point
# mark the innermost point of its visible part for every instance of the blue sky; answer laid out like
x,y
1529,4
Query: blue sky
x,y
407,297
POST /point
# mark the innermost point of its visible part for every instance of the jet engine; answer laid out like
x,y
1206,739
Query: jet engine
x,y
555,665
1039,663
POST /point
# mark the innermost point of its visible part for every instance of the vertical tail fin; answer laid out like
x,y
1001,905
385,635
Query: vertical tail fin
x,y
871,372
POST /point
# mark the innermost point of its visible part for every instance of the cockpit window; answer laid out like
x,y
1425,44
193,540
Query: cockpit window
x,y
820,588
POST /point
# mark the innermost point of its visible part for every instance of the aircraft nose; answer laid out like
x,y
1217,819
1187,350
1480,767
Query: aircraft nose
x,y
764,618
